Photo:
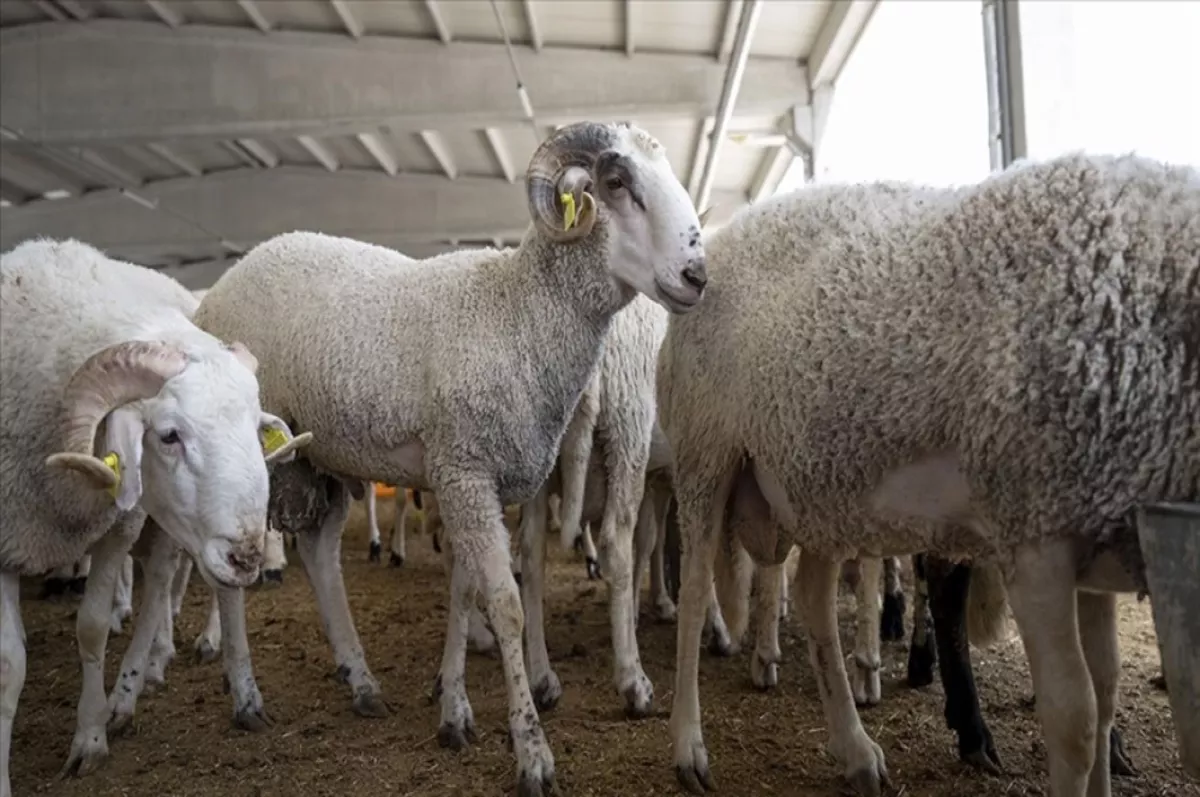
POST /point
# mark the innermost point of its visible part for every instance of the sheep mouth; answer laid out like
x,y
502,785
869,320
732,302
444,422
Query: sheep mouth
x,y
675,301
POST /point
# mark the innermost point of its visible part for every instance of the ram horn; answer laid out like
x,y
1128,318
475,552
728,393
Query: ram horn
x,y
564,164
110,378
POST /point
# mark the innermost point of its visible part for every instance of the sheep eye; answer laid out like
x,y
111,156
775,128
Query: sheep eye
x,y
169,438
614,184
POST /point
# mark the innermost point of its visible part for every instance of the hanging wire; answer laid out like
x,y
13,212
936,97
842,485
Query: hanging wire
x,y
522,94
127,193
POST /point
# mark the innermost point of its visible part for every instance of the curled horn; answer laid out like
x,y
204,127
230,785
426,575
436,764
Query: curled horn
x,y
108,379
564,164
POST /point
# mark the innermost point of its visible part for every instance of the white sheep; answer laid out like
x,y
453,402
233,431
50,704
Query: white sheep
x,y
1003,371
115,407
489,353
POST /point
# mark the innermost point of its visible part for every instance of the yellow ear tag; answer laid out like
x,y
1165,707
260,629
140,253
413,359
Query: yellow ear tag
x,y
273,440
568,200
113,461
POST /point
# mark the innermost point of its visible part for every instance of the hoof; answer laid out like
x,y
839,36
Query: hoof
x,y
720,646
577,543
252,720
764,674
695,779
921,661
868,782
530,785
985,760
120,724
639,698
396,560
375,551
547,693
665,613
86,756
452,737
517,578
1159,682
891,623
272,578
593,569
205,652
370,705
437,544
1119,763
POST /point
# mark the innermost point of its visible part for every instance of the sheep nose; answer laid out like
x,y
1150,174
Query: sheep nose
x,y
695,276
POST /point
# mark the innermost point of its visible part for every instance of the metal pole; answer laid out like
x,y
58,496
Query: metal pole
x,y
729,91
1005,82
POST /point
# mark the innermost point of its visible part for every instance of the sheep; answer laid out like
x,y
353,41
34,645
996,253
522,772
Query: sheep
x,y
397,540
1002,371
100,355
968,608
474,412
617,410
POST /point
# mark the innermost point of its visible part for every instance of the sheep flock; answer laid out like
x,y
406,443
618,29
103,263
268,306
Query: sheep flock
x,y
915,421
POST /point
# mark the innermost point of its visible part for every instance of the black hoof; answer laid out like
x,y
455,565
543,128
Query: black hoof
x,y
370,705
577,544
272,578
921,664
1119,763
695,780
252,721
517,578
529,785
593,569
452,737
546,694
375,552
717,646
437,544
396,560
1159,682
891,623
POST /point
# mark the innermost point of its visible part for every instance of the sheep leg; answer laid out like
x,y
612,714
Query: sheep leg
x,y
720,641
626,483
701,506
474,520
861,758
320,551
734,578
865,684
1041,593
891,624
12,667
664,607
123,599
948,584
1098,634
159,570
547,689
457,728
180,584
162,648
645,540
398,542
208,644
479,635
89,747
248,711
922,650
373,525
575,453
764,664
274,559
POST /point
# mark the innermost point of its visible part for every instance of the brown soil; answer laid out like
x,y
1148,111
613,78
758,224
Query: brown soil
x,y
759,744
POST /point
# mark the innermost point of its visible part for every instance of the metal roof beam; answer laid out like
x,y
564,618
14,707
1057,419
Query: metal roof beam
x,y
839,33
292,83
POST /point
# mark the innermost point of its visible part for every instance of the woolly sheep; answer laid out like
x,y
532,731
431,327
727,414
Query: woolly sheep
x,y
1003,371
99,355
489,353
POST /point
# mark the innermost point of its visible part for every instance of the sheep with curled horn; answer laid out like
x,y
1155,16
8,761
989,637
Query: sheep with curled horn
x,y
488,352
116,410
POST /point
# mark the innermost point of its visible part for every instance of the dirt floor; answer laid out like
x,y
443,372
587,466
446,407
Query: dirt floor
x,y
759,744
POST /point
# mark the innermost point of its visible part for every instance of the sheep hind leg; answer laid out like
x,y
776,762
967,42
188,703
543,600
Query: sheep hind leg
x,y
866,658
457,727
861,758
1041,593
376,547
891,623
398,542
922,650
123,597
701,504
12,668
547,689
665,610
474,522
208,644
320,551
764,664
1098,634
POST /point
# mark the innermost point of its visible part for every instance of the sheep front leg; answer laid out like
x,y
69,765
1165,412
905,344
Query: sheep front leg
x,y
123,600
547,689
274,559
764,664
866,658
891,624
180,584
575,452
664,607
155,611
89,747
320,551
208,644
922,650
474,522
457,728
397,543
12,667
376,549
1098,630
861,758
248,711
1041,593
626,483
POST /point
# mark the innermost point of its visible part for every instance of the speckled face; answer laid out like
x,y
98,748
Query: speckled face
x,y
656,246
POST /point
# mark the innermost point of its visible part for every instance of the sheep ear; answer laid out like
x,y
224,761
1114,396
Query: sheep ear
x,y
124,438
